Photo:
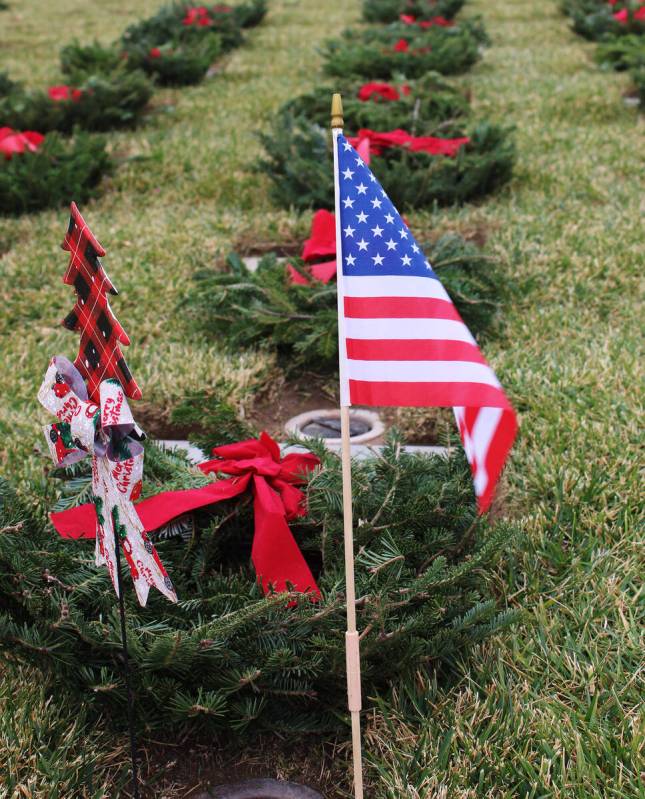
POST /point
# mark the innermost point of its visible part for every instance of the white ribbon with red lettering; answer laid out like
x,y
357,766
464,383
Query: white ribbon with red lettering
x,y
110,436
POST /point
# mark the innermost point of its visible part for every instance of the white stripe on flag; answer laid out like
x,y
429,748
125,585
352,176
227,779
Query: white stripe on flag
x,y
400,329
422,372
394,286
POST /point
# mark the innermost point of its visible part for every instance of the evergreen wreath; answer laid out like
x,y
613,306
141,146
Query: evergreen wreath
x,y
176,64
173,63
622,52
264,308
391,10
299,164
427,107
186,22
78,60
227,658
175,46
381,53
53,174
101,103
595,20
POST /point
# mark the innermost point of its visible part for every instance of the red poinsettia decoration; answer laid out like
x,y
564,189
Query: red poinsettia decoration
x,y
382,91
197,15
63,92
13,141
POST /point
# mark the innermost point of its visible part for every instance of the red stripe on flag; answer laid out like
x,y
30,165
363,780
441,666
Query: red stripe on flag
x,y
498,450
400,308
412,350
420,395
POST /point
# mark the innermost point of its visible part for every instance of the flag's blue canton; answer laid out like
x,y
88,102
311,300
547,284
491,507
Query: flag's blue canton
x,y
375,240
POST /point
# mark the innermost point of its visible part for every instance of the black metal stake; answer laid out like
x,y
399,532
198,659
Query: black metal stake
x,y
126,671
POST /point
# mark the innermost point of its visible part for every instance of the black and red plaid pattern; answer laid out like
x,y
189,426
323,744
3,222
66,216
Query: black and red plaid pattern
x,y
99,356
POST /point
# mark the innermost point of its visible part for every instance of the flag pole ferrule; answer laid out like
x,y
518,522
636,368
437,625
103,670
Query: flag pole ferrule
x,y
337,112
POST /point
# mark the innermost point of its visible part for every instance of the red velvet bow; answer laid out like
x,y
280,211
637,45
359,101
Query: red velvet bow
x,y
623,16
197,15
320,244
277,499
12,141
442,22
371,142
378,92
64,92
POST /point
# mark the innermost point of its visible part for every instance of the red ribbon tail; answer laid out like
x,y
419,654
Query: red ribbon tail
x,y
154,512
79,522
276,556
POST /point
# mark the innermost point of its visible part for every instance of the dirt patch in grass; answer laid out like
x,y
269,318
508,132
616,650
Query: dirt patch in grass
x,y
286,398
186,768
156,422
248,244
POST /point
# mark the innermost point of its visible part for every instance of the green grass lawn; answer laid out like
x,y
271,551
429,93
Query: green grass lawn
x,y
553,709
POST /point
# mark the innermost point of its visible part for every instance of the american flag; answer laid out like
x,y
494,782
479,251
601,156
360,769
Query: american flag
x,y
402,341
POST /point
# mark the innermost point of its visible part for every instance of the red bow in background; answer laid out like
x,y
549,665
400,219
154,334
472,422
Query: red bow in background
x,y
197,15
441,22
64,92
371,142
381,91
320,244
623,15
13,141
277,499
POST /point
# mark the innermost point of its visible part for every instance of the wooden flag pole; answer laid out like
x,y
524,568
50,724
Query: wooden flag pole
x,y
351,636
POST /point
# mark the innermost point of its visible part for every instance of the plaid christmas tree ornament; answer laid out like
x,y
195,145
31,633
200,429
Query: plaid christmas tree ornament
x,y
99,357
93,418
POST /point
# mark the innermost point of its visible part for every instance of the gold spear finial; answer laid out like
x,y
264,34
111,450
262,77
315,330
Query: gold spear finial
x,y
336,111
